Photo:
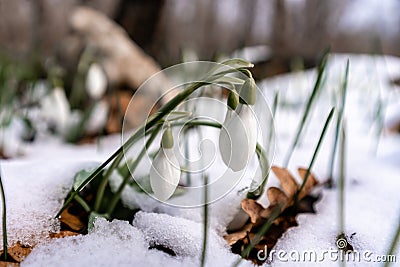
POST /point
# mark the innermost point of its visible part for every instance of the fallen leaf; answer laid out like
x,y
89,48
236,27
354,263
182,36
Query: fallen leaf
x,y
16,254
8,264
276,196
62,234
286,180
19,252
310,183
238,235
72,221
282,198
253,209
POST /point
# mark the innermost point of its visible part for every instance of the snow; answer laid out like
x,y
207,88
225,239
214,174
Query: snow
x,y
34,191
372,184
118,243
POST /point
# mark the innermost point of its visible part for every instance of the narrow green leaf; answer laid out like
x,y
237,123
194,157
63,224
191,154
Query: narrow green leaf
x,y
338,124
237,63
314,157
80,178
342,184
229,80
307,110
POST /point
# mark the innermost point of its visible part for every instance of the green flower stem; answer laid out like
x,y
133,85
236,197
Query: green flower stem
x,y
132,168
136,136
264,163
4,222
104,181
205,229
83,203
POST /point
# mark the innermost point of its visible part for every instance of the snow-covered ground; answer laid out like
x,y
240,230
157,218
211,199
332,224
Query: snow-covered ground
x,y
36,185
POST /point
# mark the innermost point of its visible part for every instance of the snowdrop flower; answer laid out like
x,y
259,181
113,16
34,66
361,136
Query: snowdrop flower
x,y
96,81
56,109
165,171
98,118
238,135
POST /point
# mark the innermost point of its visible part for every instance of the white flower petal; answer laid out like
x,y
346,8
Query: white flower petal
x,y
96,81
238,138
98,118
55,109
164,174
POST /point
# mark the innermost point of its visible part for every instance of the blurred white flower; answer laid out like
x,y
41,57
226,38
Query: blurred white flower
x,y
165,171
56,109
98,118
96,81
238,137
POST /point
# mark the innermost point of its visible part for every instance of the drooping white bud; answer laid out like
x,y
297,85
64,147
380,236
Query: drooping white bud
x,y
96,81
165,171
238,137
56,109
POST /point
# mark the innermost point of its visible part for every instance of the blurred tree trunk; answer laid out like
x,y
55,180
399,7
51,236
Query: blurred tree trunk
x,y
140,19
278,38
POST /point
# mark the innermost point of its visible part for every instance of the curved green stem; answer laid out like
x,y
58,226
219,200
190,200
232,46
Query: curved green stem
x,y
83,203
104,181
132,168
264,163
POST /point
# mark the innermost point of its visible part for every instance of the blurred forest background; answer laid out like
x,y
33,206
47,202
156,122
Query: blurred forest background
x,y
164,28
76,63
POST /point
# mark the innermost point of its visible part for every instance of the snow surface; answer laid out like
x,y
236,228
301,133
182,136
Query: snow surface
x,y
372,184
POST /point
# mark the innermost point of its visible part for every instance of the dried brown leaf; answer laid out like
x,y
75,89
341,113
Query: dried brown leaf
x,y
287,181
71,220
16,253
19,252
8,264
238,235
310,183
253,209
276,196
62,234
